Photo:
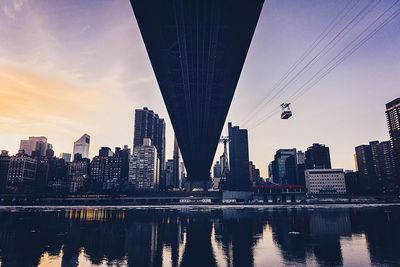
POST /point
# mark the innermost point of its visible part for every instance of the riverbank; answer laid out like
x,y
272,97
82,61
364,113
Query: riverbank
x,y
200,200
204,207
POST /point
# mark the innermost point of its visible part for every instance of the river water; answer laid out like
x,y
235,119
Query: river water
x,y
200,236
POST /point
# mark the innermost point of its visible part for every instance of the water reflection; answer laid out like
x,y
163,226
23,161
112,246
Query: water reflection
x,y
214,237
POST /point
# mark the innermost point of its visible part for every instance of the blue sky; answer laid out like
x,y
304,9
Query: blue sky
x,y
74,67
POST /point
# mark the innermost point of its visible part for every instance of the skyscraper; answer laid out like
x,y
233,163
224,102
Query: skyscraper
x,y
81,146
284,167
318,157
149,125
374,163
120,165
35,146
42,174
100,167
58,175
393,121
382,158
78,171
239,175
143,168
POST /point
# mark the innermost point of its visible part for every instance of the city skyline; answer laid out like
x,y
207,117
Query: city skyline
x,y
61,82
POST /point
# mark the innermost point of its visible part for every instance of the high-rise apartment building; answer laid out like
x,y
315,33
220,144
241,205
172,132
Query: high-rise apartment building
x,y
57,180
100,167
110,170
42,173
35,146
120,165
284,167
143,168
239,175
318,157
374,163
21,173
81,146
393,121
78,171
148,125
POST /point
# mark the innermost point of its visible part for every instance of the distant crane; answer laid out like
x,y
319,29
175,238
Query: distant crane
x,y
286,112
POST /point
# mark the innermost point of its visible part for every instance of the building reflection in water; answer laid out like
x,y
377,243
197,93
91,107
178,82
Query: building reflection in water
x,y
202,237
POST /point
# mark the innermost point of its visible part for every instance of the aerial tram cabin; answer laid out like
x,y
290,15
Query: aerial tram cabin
x,y
286,112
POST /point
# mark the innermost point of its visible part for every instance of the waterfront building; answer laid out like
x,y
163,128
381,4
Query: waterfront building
x,y
57,180
274,193
42,174
352,182
78,171
317,156
110,170
119,166
81,146
239,175
35,146
143,171
148,125
393,121
325,181
374,163
22,173
4,166
66,156
100,167
284,167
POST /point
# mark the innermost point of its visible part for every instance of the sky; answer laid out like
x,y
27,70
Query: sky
x,y
74,67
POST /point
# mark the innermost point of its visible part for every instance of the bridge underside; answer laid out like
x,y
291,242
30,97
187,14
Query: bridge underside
x,y
197,49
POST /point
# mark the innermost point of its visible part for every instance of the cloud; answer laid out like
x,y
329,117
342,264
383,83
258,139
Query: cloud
x,y
18,4
29,97
12,7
